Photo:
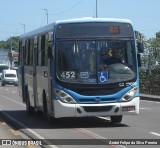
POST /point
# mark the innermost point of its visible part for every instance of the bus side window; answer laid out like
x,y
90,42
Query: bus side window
x,y
28,49
46,49
31,52
50,45
43,50
26,52
39,52
42,56
20,53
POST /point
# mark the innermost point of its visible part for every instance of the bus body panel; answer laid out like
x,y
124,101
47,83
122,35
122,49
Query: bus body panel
x,y
70,110
42,85
29,83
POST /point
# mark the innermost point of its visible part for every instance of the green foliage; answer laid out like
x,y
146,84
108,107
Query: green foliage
x,y
158,34
150,75
2,44
7,44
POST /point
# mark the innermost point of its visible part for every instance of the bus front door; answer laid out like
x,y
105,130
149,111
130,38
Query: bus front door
x,y
35,73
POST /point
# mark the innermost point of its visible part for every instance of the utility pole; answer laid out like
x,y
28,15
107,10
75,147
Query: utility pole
x,y
10,54
96,10
24,27
46,14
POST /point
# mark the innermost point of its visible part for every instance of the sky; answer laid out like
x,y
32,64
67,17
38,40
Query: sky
x,y
19,16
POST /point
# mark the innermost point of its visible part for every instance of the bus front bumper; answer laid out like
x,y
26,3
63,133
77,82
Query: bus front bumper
x,y
91,110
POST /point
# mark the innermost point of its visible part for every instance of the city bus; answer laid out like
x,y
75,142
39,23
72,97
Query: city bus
x,y
63,69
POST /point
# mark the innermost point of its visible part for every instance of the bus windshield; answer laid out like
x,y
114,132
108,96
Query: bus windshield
x,y
95,61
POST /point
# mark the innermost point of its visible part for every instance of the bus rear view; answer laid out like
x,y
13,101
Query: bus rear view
x,y
95,69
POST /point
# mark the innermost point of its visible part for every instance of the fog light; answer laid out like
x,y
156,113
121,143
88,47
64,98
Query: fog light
x,y
116,110
79,110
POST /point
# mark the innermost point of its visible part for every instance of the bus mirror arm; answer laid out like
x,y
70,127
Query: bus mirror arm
x,y
139,60
140,47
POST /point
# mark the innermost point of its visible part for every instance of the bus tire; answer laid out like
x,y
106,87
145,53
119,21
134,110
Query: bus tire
x,y
116,119
2,84
30,110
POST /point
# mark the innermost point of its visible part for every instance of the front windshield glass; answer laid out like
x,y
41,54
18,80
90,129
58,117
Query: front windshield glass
x,y
10,75
95,61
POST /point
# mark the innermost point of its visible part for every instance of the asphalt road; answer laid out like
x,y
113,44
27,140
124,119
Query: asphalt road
x,y
88,132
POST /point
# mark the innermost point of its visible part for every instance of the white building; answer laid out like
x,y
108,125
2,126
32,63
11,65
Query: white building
x,y
4,57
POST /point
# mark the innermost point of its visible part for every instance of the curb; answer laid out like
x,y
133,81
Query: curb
x,y
149,97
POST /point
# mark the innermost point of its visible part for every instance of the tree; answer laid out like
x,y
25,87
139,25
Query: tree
x,y
155,44
158,34
2,44
7,44
150,76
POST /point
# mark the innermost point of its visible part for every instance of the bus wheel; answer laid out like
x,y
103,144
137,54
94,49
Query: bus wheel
x,y
2,84
116,119
30,110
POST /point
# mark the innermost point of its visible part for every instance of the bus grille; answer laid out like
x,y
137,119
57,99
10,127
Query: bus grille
x,y
97,108
102,100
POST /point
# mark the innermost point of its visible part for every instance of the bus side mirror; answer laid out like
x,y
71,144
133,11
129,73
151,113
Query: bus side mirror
x,y
140,47
139,60
50,55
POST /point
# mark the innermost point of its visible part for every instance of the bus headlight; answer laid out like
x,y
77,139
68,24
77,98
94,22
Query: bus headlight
x,y
64,97
129,95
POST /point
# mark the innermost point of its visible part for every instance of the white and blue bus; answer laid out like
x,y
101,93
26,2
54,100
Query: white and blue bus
x,y
68,69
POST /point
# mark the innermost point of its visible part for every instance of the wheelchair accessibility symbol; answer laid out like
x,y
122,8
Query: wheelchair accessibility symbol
x,y
102,77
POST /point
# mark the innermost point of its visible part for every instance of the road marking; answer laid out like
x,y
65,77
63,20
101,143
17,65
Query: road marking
x,y
12,100
13,92
3,123
26,128
96,136
15,132
30,146
150,101
145,108
153,133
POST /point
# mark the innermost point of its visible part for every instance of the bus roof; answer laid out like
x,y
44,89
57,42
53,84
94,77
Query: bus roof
x,y
38,31
50,27
90,19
